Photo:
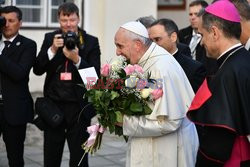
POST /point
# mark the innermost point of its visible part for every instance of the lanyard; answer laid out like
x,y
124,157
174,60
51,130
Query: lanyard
x,y
66,65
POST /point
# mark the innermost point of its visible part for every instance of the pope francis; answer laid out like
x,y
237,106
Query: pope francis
x,y
165,138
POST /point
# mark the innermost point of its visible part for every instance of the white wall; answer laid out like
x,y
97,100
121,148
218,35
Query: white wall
x,y
103,18
180,17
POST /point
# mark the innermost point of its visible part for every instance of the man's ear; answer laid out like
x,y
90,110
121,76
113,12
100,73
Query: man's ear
x,y
138,45
174,37
216,33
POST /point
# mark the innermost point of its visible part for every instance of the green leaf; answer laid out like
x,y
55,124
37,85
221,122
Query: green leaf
x,y
126,103
147,110
119,117
136,107
111,128
112,117
114,95
122,73
98,94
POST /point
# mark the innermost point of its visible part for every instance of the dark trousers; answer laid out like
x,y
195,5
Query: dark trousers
x,y
13,137
73,130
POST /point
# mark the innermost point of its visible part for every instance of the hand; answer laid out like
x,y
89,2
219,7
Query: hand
x,y
57,42
72,54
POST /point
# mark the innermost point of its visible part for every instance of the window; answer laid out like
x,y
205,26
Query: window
x,y
39,13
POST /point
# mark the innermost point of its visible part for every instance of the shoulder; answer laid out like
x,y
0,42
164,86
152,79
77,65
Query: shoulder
x,y
182,46
89,38
25,40
163,59
189,62
186,30
241,60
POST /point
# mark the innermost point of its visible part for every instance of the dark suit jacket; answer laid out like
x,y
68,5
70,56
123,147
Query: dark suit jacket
x,y
194,70
185,36
184,49
15,67
90,56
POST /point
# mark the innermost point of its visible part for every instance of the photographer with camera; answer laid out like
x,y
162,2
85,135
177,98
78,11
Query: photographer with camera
x,y
17,56
63,52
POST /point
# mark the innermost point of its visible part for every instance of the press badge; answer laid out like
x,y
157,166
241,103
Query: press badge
x,y
66,76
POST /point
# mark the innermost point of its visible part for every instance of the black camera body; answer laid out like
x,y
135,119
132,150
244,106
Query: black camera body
x,y
2,24
2,21
70,40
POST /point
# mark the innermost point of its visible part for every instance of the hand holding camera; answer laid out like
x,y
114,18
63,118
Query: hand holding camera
x,y
68,39
57,42
71,54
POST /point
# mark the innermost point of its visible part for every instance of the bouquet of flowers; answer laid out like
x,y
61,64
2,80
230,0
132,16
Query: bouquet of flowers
x,y
122,89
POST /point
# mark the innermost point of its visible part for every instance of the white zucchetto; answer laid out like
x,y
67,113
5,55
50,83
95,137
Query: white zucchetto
x,y
136,27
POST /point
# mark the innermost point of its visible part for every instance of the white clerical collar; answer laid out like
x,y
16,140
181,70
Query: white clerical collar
x,y
247,46
234,46
175,51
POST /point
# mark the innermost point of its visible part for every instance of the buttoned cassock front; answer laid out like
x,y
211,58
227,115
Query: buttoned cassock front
x,y
165,137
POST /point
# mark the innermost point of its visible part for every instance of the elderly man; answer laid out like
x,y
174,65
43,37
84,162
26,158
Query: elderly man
x,y
164,33
165,137
220,108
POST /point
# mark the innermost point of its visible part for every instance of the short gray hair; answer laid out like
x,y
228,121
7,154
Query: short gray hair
x,y
134,36
146,21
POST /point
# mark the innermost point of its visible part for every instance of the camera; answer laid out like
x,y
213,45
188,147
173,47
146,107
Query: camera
x,y
70,40
2,24
2,21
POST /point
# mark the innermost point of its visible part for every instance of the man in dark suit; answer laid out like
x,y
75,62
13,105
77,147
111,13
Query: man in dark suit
x,y
148,20
184,49
61,63
191,37
17,56
164,33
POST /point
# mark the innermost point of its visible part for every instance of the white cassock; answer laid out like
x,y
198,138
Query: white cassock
x,y
165,138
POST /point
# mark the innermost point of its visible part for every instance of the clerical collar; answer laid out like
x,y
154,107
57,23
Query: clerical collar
x,y
234,46
225,55
247,46
175,52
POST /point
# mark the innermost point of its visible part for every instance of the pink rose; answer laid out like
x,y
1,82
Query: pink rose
x,y
138,68
105,70
157,93
129,69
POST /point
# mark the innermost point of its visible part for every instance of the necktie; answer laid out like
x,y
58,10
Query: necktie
x,y
7,45
194,42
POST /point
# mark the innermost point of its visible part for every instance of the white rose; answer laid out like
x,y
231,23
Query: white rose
x,y
131,82
115,65
145,92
